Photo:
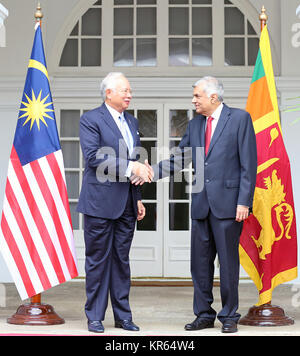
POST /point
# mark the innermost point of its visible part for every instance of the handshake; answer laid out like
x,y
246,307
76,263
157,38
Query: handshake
x,y
141,173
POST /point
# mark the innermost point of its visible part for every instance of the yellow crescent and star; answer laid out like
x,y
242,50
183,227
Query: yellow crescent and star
x,y
36,109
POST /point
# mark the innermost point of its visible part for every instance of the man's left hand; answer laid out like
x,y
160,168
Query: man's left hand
x,y
141,210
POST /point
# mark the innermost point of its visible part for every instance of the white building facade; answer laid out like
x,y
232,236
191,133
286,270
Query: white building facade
x,y
163,47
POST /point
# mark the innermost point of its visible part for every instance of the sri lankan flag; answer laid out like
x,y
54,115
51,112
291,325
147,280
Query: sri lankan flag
x,y
268,244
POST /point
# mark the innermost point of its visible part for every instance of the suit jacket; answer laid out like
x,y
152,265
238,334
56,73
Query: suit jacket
x,y
105,188
227,173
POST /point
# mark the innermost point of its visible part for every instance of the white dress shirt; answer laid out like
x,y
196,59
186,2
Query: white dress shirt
x,y
116,116
216,115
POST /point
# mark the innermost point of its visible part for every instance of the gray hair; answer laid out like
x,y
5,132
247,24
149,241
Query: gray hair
x,y
211,86
109,82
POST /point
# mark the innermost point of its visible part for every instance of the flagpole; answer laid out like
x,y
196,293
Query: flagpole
x,y
35,312
38,14
263,17
36,299
266,314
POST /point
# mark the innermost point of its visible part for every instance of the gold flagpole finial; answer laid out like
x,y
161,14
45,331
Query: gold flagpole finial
x,y
263,17
38,14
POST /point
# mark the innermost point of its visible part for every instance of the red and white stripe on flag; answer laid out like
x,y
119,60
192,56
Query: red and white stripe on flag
x,y
36,234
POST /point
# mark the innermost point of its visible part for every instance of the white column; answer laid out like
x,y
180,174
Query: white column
x,y
3,16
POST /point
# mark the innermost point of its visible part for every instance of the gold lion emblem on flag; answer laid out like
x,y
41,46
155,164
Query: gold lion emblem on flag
x,y
265,200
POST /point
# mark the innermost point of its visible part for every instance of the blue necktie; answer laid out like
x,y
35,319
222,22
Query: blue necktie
x,y
125,134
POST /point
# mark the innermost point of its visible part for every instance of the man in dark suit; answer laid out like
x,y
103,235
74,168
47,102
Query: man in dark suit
x,y
227,173
110,203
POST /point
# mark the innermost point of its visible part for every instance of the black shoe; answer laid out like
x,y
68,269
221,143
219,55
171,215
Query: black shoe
x,y
229,326
95,326
199,324
126,325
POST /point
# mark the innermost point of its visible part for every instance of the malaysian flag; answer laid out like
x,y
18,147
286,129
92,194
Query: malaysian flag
x,y
36,234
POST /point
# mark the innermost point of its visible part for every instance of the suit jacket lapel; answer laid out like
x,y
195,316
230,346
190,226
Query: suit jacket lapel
x,y
220,126
202,123
110,121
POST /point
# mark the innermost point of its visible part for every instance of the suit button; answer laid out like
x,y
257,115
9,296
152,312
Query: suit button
x,y
207,180
205,164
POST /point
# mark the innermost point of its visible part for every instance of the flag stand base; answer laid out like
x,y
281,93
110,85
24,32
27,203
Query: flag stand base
x,y
35,313
266,315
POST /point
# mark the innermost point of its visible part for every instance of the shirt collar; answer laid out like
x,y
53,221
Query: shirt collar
x,y
114,113
217,113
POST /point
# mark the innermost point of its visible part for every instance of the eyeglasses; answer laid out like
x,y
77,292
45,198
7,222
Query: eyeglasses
x,y
125,91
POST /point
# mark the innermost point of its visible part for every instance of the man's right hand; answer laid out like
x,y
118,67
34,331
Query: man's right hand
x,y
141,173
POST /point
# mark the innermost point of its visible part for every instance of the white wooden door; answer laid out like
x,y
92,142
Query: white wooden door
x,y
176,197
146,254
161,246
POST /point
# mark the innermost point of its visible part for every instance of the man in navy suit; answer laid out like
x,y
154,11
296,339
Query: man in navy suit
x,y
110,203
227,173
